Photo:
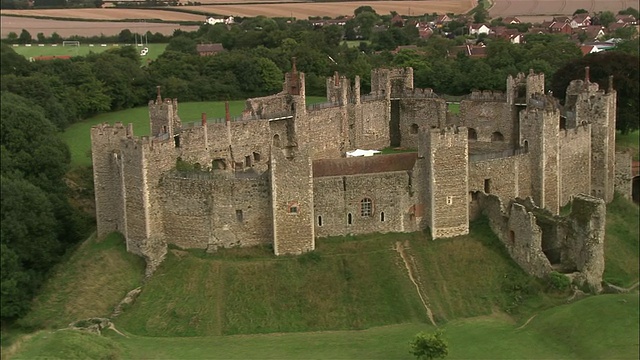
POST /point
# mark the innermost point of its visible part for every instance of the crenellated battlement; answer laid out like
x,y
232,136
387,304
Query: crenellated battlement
x,y
487,95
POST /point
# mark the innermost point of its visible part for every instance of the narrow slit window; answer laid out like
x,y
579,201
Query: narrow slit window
x,y
239,216
487,186
319,220
349,219
382,216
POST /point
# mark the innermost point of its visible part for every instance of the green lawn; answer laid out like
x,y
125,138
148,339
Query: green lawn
x,y
629,142
78,135
84,49
574,331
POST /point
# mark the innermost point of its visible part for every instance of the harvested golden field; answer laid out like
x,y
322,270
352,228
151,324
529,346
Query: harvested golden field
x,y
502,8
333,9
66,28
107,14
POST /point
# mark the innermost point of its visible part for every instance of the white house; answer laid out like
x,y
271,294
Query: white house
x,y
477,29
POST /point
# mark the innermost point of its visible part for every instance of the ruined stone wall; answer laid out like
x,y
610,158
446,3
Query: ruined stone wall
x,y
575,162
211,211
108,177
597,108
328,131
339,202
539,135
136,192
391,82
623,176
448,187
505,177
416,113
575,243
373,117
517,230
493,122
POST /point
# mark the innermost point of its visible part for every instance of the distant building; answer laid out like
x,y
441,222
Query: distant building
x,y
209,49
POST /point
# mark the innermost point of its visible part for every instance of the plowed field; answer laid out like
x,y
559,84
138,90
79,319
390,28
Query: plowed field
x,y
555,7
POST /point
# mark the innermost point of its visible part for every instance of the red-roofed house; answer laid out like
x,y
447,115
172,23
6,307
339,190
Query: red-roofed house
x,y
559,27
477,29
580,20
626,19
511,20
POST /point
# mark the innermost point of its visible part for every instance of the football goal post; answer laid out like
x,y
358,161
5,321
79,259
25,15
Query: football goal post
x,y
71,43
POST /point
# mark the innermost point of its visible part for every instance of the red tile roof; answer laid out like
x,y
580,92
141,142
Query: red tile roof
x,y
364,165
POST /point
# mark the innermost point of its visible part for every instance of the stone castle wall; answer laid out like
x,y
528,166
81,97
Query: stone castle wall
x,y
339,204
575,162
418,114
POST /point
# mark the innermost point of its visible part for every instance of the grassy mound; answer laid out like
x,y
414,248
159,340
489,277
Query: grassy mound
x,y
67,345
597,327
348,283
89,284
622,248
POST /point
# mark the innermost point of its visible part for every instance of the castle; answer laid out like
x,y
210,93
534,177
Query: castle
x,y
278,174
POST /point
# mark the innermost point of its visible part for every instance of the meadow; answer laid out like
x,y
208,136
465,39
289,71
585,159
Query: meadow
x,y
84,49
78,135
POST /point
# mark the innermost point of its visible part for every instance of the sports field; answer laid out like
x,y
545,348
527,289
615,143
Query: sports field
x,y
84,49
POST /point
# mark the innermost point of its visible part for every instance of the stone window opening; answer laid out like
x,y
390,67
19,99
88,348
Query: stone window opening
x,y
344,183
497,136
366,207
526,146
247,161
487,186
293,208
349,219
276,140
382,216
176,141
473,195
164,129
473,134
256,156
219,164
512,237
563,123
414,129
449,200
319,220
239,216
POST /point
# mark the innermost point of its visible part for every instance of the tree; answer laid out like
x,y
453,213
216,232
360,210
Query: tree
x,y
361,9
25,37
580,11
429,346
605,18
629,11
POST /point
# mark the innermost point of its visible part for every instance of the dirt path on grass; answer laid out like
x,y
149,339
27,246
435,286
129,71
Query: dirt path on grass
x,y
409,265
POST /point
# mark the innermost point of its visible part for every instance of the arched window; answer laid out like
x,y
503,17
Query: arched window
x,y
497,136
276,140
414,129
366,207
526,146
473,134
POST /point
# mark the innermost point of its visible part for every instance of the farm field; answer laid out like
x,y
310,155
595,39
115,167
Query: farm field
x,y
107,14
333,9
67,28
84,49
526,8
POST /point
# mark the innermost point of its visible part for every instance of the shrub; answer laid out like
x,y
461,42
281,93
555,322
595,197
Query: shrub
x,y
558,281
